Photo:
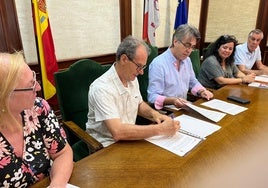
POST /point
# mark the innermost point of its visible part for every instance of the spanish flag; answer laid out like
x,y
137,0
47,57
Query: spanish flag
x,y
45,47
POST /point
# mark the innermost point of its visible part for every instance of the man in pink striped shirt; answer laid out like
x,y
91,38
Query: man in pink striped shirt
x,y
171,73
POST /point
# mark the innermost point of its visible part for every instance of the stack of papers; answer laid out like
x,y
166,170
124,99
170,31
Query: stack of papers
x,y
259,85
261,78
260,82
194,131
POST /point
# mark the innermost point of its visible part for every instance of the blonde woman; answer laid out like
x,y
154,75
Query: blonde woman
x,y
30,135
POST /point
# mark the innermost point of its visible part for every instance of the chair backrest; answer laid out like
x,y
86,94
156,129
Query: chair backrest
x,y
206,50
143,79
72,89
195,58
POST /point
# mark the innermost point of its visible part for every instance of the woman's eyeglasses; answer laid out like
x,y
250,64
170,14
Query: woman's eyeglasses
x,y
30,88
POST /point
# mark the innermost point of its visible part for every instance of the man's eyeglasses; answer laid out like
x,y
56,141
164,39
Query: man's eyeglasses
x,y
187,45
139,67
255,39
30,88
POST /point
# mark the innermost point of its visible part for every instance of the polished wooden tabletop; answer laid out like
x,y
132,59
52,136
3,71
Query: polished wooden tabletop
x,y
142,164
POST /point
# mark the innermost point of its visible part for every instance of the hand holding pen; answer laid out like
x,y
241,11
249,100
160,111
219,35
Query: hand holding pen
x,y
169,127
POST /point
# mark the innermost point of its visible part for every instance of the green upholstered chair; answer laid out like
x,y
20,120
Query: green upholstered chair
x,y
195,58
143,83
206,50
143,79
72,91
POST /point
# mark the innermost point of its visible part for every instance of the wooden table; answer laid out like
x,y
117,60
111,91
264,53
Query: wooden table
x,y
142,164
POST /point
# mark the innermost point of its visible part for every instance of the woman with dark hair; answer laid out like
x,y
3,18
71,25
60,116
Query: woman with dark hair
x,y
218,68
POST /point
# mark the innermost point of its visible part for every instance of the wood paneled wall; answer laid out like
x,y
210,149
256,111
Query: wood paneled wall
x,y
9,29
11,40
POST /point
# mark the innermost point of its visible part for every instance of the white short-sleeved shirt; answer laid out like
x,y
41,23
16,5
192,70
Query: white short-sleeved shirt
x,y
244,57
109,99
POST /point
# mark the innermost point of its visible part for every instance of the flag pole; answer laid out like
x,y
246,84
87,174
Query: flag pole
x,y
37,46
45,47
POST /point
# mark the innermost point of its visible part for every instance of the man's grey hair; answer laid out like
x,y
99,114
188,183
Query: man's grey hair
x,y
255,31
185,30
128,47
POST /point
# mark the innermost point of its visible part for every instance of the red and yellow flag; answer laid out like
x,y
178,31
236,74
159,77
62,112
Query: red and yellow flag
x,y
45,47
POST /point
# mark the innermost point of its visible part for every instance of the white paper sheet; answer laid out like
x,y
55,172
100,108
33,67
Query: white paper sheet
x,y
210,114
197,126
261,78
259,85
224,106
180,143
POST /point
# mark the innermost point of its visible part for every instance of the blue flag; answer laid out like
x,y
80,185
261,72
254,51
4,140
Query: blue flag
x,y
181,14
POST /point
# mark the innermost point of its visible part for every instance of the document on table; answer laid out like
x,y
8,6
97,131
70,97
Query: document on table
x,y
182,143
210,114
196,126
259,85
261,78
260,82
224,106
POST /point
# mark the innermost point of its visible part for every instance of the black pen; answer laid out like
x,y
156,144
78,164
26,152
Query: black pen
x,y
172,116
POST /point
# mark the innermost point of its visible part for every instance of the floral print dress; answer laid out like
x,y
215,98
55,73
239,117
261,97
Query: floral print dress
x,y
42,136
